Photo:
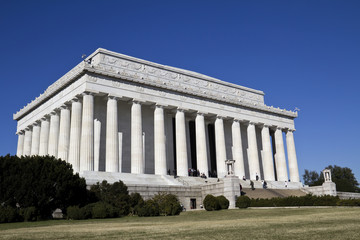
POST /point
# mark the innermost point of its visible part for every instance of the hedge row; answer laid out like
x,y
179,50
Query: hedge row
x,y
307,200
162,204
212,203
11,214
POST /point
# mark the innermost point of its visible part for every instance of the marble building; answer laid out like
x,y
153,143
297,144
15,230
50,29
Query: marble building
x,y
114,113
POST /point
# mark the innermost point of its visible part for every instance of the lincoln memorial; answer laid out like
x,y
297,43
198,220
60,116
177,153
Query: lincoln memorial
x,y
122,118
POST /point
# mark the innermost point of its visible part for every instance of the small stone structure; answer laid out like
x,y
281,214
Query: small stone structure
x,y
327,188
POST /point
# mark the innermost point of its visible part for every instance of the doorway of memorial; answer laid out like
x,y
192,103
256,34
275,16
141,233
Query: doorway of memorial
x,y
192,203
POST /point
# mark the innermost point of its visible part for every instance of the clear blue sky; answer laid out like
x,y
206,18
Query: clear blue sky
x,y
303,54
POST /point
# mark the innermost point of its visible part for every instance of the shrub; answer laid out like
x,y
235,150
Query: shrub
x,y
8,214
223,202
29,214
148,208
211,203
349,202
169,204
243,202
74,213
135,202
103,210
42,182
115,194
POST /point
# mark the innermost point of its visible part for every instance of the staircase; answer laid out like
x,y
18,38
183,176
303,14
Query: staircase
x,y
271,193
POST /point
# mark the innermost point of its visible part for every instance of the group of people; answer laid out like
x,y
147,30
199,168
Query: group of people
x,y
196,173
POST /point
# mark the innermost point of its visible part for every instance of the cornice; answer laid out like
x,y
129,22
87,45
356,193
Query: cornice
x,y
51,90
132,69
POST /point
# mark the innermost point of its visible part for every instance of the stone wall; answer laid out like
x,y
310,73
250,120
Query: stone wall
x,y
328,188
348,195
183,193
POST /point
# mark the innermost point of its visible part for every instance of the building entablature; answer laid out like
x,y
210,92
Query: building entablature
x,y
125,68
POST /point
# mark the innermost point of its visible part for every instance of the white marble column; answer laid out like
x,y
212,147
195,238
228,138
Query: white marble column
x,y
280,160
64,133
54,134
181,148
87,134
253,156
220,147
293,164
97,140
238,156
35,140
159,141
75,134
27,142
112,145
20,145
267,159
44,136
137,164
201,151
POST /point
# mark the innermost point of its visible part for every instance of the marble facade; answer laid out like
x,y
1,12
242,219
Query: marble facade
x,y
120,114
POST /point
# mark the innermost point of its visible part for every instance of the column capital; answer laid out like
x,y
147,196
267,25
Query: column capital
x,y
279,128
20,132
220,117
252,123
180,109
290,130
137,101
64,106
264,125
36,123
87,93
158,105
45,118
75,99
201,113
113,97
54,112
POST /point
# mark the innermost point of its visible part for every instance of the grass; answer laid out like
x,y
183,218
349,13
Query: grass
x,y
295,223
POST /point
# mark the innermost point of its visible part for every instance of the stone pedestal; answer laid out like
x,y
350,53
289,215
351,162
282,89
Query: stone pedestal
x,y
329,188
231,189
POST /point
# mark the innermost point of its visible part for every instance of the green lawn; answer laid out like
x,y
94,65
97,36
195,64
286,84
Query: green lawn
x,y
296,223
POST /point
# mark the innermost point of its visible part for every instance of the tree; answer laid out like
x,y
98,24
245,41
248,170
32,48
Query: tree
x,y
343,177
169,204
312,178
115,194
44,183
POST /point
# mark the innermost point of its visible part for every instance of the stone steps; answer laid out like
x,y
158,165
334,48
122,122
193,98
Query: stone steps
x,y
271,193
196,181
130,178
